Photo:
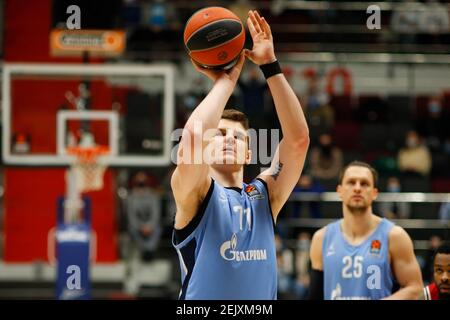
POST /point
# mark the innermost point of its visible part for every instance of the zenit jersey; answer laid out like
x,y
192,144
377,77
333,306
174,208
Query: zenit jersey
x,y
230,255
358,272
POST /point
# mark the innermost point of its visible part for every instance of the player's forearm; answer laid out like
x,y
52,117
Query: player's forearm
x,y
209,111
289,110
407,293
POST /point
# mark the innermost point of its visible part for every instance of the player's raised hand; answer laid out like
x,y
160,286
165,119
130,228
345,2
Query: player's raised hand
x,y
231,74
263,50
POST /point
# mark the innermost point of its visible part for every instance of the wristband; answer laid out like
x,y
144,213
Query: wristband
x,y
270,69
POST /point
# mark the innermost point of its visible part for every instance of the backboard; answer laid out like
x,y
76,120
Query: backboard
x,y
49,107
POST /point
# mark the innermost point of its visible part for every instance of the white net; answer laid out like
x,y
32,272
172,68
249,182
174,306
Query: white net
x,y
88,176
85,174
87,170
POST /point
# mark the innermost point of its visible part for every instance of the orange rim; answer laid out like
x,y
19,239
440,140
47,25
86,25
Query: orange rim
x,y
88,155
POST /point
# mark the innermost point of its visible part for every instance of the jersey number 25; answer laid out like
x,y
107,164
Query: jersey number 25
x,y
353,268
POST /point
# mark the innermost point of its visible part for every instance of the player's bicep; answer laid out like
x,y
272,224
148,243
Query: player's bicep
x,y
191,171
189,182
188,197
403,260
284,172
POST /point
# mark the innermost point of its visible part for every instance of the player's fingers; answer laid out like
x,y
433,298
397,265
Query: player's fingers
x,y
251,27
241,61
266,28
254,21
260,21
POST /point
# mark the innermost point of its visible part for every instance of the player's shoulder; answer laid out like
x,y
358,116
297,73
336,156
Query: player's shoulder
x,y
399,240
319,235
316,249
397,233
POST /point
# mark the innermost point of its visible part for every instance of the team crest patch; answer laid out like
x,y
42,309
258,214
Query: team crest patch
x,y
252,192
375,247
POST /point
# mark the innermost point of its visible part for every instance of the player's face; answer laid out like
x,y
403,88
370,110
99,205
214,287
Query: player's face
x,y
357,189
442,274
229,145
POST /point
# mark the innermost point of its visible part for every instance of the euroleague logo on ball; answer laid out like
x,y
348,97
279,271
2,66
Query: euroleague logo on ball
x,y
222,55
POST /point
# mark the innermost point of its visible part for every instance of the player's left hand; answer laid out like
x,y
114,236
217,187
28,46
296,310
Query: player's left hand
x,y
263,50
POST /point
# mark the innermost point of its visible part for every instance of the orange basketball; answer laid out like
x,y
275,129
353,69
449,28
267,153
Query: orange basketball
x,y
214,37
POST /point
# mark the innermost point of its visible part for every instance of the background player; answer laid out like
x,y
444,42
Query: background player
x,y
361,255
224,232
440,288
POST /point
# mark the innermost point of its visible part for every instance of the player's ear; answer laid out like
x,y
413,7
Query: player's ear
x,y
375,193
339,190
248,156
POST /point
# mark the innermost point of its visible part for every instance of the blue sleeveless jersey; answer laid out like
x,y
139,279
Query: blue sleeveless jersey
x,y
230,255
358,272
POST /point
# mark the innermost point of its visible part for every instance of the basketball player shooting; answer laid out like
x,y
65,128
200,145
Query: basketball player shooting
x,y
362,256
224,228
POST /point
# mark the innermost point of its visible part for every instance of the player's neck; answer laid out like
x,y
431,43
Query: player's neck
x,y
227,178
359,225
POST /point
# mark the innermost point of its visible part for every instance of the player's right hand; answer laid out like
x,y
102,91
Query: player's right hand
x,y
230,75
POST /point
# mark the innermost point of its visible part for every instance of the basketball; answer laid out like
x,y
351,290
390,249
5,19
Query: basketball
x,y
214,37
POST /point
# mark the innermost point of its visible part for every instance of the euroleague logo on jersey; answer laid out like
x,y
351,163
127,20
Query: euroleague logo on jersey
x,y
252,192
375,247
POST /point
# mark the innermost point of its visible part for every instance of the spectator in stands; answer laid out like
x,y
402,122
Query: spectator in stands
x,y
433,243
404,23
303,266
162,16
444,214
306,183
433,20
319,113
326,159
158,30
434,126
439,289
285,268
144,213
414,158
394,210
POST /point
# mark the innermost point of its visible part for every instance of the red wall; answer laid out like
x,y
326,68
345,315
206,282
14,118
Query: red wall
x,y
30,212
31,193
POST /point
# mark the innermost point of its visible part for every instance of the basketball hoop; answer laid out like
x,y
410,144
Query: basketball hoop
x,y
87,169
